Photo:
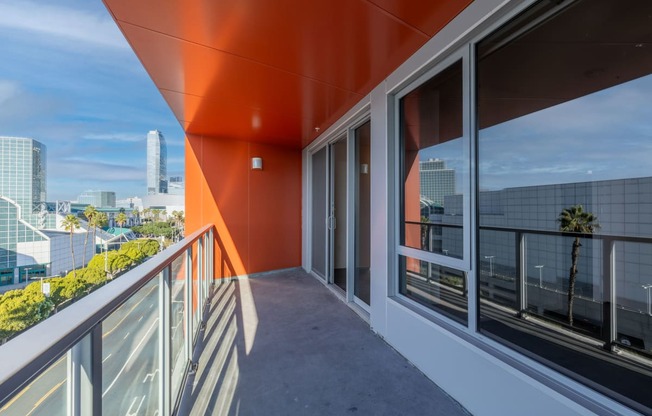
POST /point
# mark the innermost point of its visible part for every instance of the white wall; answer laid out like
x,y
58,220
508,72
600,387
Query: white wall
x,y
60,252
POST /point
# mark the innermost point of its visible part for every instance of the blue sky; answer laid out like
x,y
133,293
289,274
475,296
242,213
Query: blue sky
x,y
69,79
601,136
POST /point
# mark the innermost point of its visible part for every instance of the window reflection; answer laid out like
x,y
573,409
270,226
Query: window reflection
x,y
433,164
564,129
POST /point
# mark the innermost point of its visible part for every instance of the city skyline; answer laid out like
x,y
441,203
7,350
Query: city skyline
x,y
84,95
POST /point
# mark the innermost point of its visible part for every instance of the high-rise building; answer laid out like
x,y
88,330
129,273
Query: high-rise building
x,y
436,181
23,172
157,159
102,199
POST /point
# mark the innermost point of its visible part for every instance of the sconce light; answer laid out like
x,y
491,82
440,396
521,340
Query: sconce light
x,y
256,163
364,169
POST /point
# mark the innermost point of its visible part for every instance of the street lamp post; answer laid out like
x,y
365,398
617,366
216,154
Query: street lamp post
x,y
540,267
491,265
649,298
27,269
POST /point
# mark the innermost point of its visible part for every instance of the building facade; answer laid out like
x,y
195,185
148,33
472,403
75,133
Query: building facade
x,y
99,199
436,181
157,157
23,174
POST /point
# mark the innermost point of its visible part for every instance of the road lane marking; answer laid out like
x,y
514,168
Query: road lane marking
x,y
127,314
132,405
23,391
150,376
151,306
126,335
107,357
141,318
42,399
130,357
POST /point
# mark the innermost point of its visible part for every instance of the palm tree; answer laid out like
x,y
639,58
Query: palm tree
x,y
575,220
101,219
177,218
70,223
90,212
146,213
136,214
121,219
155,213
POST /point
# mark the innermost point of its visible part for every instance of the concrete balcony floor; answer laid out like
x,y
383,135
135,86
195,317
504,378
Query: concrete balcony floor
x,y
284,344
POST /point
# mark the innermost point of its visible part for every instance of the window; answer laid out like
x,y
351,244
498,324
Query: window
x,y
565,191
434,192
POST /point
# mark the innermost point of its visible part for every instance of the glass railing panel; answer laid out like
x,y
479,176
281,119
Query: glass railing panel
x,y
633,283
45,396
547,265
178,331
130,348
498,282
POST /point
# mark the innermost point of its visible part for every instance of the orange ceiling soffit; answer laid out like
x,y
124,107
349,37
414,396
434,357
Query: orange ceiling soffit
x,y
270,72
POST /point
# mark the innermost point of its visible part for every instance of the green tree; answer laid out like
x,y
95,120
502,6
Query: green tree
x,y
100,220
70,223
20,309
121,219
156,213
90,213
575,220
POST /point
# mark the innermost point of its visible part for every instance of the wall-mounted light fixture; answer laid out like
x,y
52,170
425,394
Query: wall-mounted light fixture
x,y
256,163
364,169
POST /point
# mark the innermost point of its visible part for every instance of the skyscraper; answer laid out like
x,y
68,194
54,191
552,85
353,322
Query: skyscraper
x,y
157,159
436,181
22,188
23,172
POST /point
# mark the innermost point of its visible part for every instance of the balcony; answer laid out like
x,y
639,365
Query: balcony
x,y
278,344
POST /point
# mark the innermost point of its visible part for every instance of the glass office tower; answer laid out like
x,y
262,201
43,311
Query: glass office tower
x,y
157,159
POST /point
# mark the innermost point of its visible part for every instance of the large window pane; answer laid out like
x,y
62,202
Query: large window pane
x,y
433,165
565,190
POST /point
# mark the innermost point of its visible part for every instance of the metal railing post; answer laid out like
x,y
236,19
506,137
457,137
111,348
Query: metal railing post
x,y
84,371
189,311
200,280
521,275
609,292
165,341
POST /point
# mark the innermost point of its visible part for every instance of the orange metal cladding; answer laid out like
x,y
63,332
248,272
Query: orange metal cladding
x,y
271,71
252,78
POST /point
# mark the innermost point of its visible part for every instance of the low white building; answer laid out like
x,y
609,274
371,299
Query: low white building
x,y
55,251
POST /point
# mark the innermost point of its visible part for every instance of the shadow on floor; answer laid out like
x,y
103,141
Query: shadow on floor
x,y
283,344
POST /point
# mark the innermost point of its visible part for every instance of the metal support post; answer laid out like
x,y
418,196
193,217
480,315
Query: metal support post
x,y
521,275
84,382
200,280
609,328
188,309
165,303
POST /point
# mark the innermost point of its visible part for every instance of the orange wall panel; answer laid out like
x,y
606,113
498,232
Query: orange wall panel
x,y
257,214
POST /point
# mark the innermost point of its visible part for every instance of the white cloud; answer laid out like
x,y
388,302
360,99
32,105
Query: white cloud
x,y
117,137
61,23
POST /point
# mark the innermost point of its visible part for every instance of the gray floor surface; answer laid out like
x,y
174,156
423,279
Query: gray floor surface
x,y
284,344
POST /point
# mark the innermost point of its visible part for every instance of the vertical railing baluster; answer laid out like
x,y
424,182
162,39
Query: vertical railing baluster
x,y
200,278
84,381
521,272
188,308
165,341
608,292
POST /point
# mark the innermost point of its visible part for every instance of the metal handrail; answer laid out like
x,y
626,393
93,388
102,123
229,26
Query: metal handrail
x,y
37,348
